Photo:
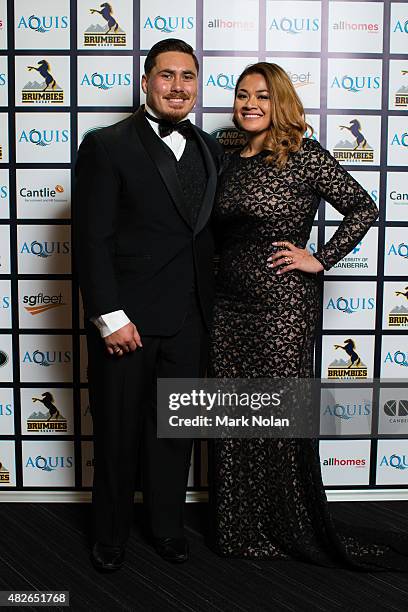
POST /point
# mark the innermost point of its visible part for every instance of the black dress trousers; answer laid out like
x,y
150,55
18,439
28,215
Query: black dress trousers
x,y
123,399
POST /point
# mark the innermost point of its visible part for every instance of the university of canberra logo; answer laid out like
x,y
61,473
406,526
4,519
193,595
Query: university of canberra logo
x,y
106,30
357,150
353,367
44,90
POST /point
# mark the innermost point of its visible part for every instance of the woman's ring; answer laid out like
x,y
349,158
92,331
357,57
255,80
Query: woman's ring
x,y
117,349
289,260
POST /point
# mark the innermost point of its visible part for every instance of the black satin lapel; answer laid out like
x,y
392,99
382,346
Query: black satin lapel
x,y
159,157
209,194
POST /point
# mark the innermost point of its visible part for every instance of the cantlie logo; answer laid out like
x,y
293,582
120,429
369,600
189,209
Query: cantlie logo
x,y
350,305
229,137
37,304
347,411
401,96
43,24
359,150
44,138
398,358
53,420
225,81
398,317
353,368
44,194
110,33
355,84
397,410
168,24
398,462
295,25
49,464
46,249
48,91
106,81
4,474
47,358
3,358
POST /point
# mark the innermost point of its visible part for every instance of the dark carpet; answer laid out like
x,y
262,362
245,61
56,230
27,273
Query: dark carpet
x,y
45,547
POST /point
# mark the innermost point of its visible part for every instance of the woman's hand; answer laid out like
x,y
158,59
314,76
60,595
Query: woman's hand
x,y
293,259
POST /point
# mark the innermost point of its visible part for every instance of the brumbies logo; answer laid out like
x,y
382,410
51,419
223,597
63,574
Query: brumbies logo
x,y
398,317
52,420
359,150
108,34
4,474
401,96
353,368
46,91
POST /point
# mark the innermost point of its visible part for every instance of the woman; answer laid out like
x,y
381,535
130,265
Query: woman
x,y
267,494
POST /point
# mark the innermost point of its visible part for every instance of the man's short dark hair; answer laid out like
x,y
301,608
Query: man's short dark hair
x,y
169,44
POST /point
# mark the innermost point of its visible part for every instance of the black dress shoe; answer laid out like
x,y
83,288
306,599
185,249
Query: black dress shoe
x,y
174,550
107,558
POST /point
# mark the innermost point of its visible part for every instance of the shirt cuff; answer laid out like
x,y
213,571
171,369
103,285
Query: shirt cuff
x,y
110,322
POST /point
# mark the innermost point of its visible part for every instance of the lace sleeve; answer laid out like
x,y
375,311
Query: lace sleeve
x,y
335,185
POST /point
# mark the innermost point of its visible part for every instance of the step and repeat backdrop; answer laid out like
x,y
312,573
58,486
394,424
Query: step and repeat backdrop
x,y
67,67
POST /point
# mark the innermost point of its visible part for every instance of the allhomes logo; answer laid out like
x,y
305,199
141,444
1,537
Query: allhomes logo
x,y
352,26
169,24
39,303
43,138
43,23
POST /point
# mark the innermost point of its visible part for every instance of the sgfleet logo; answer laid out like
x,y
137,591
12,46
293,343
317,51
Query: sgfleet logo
x,y
356,26
42,91
47,358
167,25
50,463
51,420
39,303
46,248
350,305
294,25
106,31
401,95
399,358
222,81
43,23
43,138
397,462
105,81
300,79
398,316
357,150
353,367
346,412
356,83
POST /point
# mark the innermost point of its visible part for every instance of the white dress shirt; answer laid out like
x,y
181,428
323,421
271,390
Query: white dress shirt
x,y
112,321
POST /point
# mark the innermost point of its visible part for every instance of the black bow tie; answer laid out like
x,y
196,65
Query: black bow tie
x,y
166,128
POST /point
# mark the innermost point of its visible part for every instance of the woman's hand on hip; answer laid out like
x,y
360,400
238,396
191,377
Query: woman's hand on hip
x,y
292,258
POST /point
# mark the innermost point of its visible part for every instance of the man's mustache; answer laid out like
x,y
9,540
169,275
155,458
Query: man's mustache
x,y
177,96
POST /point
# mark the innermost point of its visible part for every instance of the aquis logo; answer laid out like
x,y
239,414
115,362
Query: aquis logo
x,y
356,83
46,248
105,29
48,417
43,89
105,81
47,358
4,474
43,23
358,149
294,25
43,138
397,462
350,305
167,24
398,316
222,80
49,464
351,367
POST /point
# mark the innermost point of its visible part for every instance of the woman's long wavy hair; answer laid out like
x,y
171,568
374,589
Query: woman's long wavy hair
x,y
288,124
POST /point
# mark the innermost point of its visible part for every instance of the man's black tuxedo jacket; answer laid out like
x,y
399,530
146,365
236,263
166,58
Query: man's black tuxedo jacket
x,y
135,247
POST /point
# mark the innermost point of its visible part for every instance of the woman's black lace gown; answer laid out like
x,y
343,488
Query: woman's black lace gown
x,y
267,495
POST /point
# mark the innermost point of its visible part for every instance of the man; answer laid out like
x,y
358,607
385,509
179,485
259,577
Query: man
x,y
144,195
